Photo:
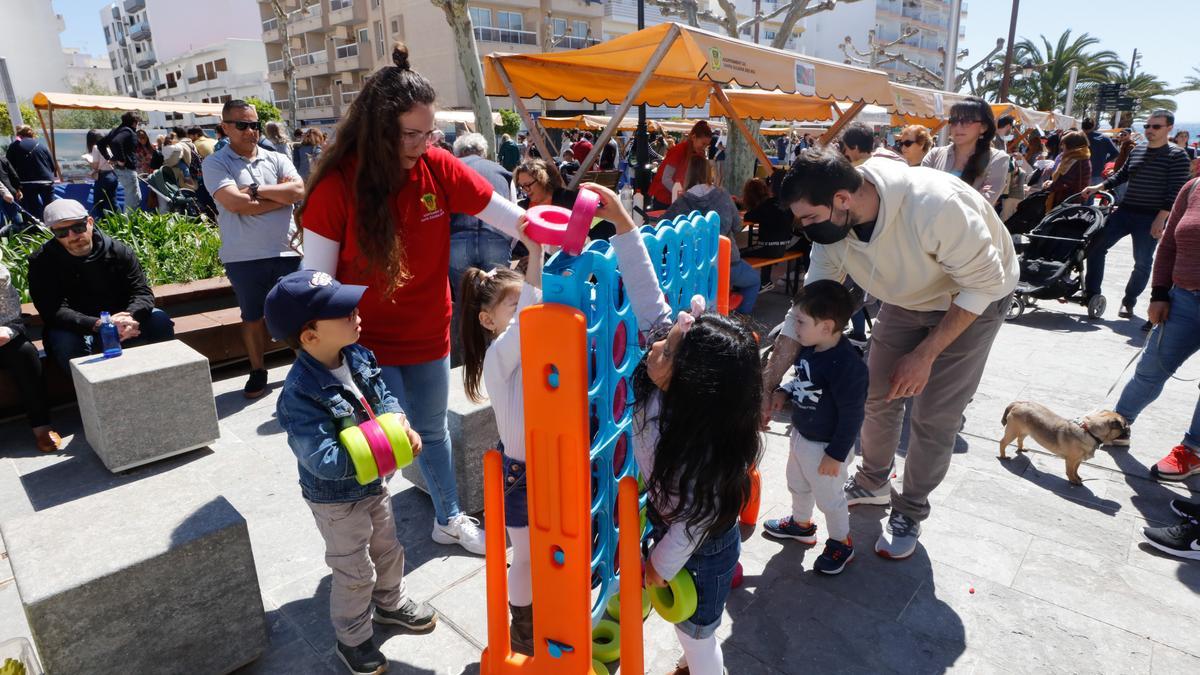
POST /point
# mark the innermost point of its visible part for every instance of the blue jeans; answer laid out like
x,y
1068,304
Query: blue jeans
x,y
482,248
1122,223
712,566
104,194
423,390
10,215
131,192
745,280
35,197
64,345
1171,343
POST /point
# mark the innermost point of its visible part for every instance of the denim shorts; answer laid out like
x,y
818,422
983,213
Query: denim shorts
x,y
253,279
712,566
516,495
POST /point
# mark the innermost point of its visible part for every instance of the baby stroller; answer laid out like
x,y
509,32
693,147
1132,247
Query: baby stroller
x,y
171,197
1028,213
1052,262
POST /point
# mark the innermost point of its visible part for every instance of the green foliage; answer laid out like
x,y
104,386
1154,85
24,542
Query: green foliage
x,y
27,111
510,122
1046,87
171,248
267,112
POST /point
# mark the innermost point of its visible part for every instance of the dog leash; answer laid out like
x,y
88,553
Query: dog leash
x,y
1158,360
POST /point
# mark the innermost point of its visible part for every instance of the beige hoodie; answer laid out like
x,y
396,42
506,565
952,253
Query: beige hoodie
x,y
936,241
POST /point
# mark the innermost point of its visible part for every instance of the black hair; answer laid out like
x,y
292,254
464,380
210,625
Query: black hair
x,y
708,436
130,119
826,300
195,131
816,175
93,137
234,104
179,132
1053,141
1089,124
976,108
859,137
1165,114
1005,121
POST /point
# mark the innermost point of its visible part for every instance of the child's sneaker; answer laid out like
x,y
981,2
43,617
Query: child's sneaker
x,y
413,616
788,528
364,659
835,557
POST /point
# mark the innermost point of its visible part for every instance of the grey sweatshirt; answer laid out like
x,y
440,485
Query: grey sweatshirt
x,y
705,198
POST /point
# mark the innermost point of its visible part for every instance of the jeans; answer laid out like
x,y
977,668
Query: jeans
x,y
712,566
129,185
858,323
1122,223
1170,344
35,197
10,215
104,194
64,345
744,280
20,359
423,390
482,248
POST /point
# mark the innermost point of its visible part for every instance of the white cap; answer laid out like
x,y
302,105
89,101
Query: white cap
x,y
60,210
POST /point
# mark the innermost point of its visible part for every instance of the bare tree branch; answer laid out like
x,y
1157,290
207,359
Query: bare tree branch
x,y
763,17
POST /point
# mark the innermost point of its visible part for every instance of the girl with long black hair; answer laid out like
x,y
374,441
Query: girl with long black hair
x,y
104,189
970,155
695,436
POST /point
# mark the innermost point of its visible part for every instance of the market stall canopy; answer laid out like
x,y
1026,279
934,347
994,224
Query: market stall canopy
x,y
463,117
1062,121
756,104
45,100
592,123
918,105
695,59
684,126
1027,116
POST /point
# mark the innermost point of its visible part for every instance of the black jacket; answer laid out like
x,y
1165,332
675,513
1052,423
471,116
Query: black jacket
x,y
119,146
31,160
70,292
9,176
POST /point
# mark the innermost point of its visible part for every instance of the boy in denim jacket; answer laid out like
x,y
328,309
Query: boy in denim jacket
x,y
328,389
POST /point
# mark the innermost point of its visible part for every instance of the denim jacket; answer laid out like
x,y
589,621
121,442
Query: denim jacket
x,y
314,407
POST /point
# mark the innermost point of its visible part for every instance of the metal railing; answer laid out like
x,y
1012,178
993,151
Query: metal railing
x,y
335,5
139,30
311,58
275,66
574,42
270,24
307,102
132,6
348,97
346,51
505,35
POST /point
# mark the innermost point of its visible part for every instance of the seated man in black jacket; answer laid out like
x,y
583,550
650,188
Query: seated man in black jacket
x,y
82,272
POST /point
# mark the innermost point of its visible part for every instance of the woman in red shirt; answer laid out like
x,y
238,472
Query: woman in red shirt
x,y
377,213
668,180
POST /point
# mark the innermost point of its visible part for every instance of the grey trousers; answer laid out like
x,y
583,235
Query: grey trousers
x,y
937,411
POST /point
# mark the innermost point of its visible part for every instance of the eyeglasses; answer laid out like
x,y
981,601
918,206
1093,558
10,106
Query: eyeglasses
x,y
416,139
964,120
906,144
1155,127
242,126
74,228
526,186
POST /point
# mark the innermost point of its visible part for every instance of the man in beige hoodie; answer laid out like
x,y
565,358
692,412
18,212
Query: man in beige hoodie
x,y
937,255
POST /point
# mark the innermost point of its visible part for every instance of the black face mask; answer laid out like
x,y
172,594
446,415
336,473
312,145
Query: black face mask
x,y
826,232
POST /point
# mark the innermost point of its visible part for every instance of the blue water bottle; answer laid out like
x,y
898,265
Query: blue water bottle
x,y
109,338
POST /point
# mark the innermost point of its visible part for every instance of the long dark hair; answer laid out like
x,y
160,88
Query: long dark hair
x,y
370,133
977,108
93,137
708,424
480,290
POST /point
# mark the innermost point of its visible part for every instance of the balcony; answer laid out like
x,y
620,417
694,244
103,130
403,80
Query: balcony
x,y
132,6
270,29
573,42
310,107
148,88
505,35
351,58
140,31
348,97
145,59
122,40
343,12
313,63
307,19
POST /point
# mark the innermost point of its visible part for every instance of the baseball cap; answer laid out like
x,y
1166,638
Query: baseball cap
x,y
61,210
307,295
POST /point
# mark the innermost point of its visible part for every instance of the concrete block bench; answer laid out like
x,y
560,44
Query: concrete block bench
x,y
472,433
154,576
150,403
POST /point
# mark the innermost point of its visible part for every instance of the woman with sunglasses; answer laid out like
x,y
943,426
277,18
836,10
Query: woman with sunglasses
x,y
377,213
970,155
915,142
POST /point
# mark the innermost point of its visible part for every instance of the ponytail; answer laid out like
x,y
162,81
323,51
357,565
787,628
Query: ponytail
x,y
480,291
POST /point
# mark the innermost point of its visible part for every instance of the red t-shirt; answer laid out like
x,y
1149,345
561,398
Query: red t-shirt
x,y
413,325
677,157
580,149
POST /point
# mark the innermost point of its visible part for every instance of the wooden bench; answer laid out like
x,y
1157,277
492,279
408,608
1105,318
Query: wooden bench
x,y
206,318
792,259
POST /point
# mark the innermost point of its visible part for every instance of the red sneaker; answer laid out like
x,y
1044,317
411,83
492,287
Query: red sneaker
x,y
1178,465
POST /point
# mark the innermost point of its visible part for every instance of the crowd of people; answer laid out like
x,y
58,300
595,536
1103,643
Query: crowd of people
x,y
356,252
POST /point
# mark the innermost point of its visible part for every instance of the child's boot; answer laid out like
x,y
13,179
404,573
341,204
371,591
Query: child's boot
x,y
521,629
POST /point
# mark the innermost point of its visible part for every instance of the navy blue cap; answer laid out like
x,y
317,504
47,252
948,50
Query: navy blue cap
x,y
304,296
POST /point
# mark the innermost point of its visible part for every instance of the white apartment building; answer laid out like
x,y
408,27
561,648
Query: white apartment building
x,y
141,33
225,70
84,67
31,47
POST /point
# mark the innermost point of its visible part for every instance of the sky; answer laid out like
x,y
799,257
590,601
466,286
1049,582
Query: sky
x,y
1155,29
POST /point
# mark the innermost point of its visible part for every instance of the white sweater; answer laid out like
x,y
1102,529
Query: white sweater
x,y
503,381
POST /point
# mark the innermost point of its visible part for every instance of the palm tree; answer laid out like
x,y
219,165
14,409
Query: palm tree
x,y
1046,87
1191,82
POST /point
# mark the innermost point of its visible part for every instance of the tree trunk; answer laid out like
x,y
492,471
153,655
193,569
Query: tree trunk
x,y
289,68
459,20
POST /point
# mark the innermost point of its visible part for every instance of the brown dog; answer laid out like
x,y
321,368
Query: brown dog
x,y
1073,440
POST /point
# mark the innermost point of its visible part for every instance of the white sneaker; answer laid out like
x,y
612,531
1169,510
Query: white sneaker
x,y
462,530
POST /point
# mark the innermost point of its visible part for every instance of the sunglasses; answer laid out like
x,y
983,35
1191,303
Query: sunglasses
x,y
73,228
906,144
1155,127
242,126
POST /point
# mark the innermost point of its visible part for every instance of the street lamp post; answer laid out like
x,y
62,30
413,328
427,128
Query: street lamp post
x,y
641,177
1008,53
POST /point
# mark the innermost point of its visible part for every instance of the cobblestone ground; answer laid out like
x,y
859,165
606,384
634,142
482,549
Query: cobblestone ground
x,y
1018,571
